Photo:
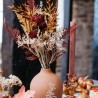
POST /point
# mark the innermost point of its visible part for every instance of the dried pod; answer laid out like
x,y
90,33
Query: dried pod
x,y
84,94
89,83
80,80
84,84
79,89
65,89
71,92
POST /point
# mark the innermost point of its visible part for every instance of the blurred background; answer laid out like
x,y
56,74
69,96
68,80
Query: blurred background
x,y
86,51
1,26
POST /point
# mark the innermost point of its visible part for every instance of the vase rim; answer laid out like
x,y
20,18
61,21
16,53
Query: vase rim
x,y
44,69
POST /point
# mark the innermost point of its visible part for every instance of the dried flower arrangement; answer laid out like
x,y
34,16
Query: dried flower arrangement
x,y
40,38
7,83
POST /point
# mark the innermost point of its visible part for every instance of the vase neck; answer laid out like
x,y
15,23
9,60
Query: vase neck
x,y
46,70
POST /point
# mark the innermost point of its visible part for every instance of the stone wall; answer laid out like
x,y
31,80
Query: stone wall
x,y
83,12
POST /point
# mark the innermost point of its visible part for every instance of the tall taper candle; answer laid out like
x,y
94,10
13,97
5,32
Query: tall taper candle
x,y
72,48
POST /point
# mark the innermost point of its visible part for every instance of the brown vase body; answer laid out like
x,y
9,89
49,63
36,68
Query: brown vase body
x,y
46,84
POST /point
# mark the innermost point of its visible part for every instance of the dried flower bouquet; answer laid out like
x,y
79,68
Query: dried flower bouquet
x,y
7,83
40,38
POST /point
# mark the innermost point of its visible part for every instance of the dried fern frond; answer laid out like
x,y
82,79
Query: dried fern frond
x,y
24,10
50,16
26,25
14,33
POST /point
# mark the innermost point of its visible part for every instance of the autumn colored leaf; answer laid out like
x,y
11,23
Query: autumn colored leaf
x,y
13,32
32,58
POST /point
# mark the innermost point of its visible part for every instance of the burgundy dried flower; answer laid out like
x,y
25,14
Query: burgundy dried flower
x,y
33,34
42,25
38,18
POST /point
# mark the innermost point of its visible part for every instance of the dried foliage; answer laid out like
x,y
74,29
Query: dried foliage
x,y
82,85
7,83
40,36
50,16
14,33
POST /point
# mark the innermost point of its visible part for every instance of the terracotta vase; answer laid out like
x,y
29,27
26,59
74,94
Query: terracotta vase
x,y
46,84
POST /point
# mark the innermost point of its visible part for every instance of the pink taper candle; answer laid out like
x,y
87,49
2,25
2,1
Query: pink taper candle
x,y
72,48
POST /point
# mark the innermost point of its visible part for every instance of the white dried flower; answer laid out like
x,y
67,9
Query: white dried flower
x,y
45,45
50,93
7,83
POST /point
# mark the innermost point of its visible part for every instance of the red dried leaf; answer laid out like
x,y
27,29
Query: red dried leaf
x,y
48,1
27,52
14,33
58,55
31,4
70,30
66,36
23,47
32,58
65,44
